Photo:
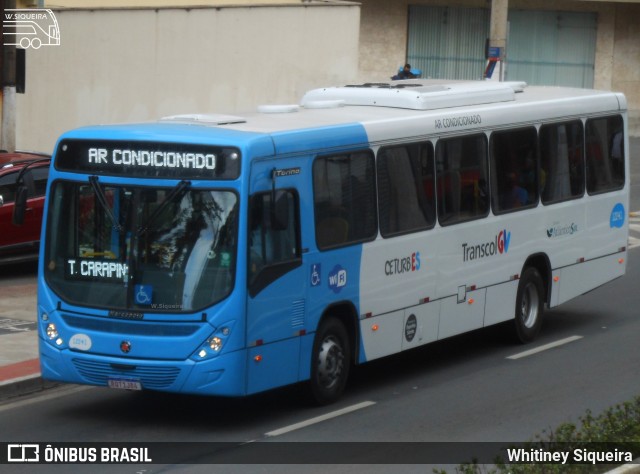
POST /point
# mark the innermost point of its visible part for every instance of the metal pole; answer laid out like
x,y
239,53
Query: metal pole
x,y
8,134
498,31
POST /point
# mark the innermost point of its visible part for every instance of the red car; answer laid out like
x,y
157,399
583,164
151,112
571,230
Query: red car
x,y
20,242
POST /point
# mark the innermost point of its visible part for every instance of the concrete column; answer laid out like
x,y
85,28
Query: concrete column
x,y
498,32
8,135
8,81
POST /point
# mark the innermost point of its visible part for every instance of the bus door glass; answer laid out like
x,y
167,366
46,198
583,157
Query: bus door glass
x,y
275,275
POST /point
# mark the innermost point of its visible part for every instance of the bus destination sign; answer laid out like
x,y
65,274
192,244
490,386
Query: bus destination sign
x,y
148,159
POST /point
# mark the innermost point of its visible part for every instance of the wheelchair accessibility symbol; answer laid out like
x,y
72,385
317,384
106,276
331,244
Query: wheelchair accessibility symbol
x,y
315,274
143,294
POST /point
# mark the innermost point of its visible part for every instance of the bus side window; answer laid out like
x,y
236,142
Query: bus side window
x,y
273,250
514,169
462,177
561,161
405,189
344,199
605,154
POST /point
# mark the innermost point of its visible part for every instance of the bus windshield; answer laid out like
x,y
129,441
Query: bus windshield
x,y
141,249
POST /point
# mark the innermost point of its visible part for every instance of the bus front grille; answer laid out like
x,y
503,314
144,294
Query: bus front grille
x,y
151,377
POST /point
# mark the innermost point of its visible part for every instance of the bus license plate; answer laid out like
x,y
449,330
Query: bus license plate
x,y
125,384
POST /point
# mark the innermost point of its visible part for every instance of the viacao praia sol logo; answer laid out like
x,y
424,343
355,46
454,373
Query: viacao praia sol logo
x,y
30,28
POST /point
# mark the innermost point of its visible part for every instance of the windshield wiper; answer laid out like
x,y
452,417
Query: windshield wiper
x,y
178,191
97,188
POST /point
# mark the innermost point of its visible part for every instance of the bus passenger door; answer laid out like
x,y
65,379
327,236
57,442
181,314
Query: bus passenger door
x,y
276,299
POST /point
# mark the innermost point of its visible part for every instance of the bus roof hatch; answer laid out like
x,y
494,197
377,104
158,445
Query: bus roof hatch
x,y
418,95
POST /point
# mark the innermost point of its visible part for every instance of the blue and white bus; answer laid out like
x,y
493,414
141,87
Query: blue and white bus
x,y
225,255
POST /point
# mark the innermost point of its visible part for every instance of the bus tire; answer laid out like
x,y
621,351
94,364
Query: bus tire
x,y
530,302
330,361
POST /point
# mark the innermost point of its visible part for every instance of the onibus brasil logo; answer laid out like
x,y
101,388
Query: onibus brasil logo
x,y
30,28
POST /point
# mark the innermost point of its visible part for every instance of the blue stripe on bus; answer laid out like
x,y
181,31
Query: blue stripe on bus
x,y
326,138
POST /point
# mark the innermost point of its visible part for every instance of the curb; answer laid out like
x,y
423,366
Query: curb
x,y
633,468
24,386
22,378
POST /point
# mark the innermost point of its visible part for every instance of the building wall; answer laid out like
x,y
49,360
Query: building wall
x,y
141,64
383,40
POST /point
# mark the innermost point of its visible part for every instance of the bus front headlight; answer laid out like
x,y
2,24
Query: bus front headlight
x,y
52,331
215,343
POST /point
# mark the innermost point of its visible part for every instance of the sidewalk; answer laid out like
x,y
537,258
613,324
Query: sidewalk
x,y
19,365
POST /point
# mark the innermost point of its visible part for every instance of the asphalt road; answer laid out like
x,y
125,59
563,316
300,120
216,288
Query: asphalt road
x,y
463,389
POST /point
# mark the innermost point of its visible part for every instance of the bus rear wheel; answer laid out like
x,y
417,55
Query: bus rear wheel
x,y
530,302
330,361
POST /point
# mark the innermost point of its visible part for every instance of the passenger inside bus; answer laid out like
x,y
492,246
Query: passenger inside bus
x,y
514,195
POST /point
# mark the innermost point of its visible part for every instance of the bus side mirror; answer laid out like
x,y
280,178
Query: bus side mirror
x,y
20,205
280,211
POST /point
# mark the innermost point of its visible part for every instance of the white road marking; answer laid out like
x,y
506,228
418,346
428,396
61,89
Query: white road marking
x,y
321,418
545,347
634,229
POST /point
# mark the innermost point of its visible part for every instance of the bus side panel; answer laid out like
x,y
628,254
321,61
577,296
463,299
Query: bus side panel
x,y
578,279
459,315
501,303
420,325
399,277
608,223
605,255
270,365
304,364
381,335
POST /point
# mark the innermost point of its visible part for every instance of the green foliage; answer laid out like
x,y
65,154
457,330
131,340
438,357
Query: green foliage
x,y
617,428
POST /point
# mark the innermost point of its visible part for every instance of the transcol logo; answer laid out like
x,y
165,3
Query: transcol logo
x,y
497,246
30,28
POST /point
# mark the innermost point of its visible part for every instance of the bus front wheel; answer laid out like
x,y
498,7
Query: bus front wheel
x,y
330,361
530,302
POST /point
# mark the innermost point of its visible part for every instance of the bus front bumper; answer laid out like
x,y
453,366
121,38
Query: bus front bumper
x,y
223,375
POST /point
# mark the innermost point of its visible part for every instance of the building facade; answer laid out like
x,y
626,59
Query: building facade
x,y
143,59
549,42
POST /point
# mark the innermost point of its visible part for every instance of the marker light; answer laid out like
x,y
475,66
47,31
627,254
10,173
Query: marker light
x,y
59,341
202,353
52,331
375,327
